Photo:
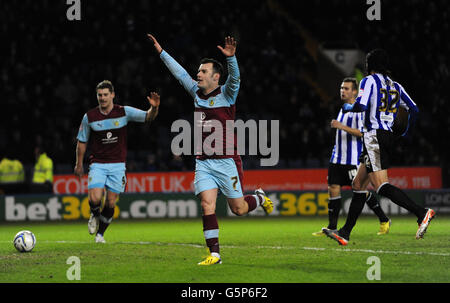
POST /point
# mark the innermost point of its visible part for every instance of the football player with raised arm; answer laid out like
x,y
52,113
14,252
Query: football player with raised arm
x,y
216,170
104,128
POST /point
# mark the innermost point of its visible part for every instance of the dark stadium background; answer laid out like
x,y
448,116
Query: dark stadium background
x,y
50,67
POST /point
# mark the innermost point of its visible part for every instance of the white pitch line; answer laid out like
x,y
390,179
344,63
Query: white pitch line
x,y
357,250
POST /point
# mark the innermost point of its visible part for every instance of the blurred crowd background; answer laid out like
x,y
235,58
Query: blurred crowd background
x,y
50,67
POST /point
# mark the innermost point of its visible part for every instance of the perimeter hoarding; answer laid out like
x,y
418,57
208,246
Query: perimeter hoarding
x,y
269,180
186,205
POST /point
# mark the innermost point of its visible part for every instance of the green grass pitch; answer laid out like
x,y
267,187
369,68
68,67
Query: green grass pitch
x,y
253,250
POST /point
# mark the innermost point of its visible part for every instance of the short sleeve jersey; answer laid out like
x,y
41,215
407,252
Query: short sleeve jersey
x,y
381,96
107,134
347,148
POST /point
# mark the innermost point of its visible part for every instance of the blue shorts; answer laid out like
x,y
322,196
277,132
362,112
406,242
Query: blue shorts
x,y
224,174
109,175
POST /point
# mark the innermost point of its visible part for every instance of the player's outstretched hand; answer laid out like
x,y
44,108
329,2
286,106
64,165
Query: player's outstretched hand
x,y
230,47
158,47
79,171
154,99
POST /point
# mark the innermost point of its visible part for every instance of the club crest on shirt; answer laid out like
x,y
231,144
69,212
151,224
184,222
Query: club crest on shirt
x,y
211,102
116,123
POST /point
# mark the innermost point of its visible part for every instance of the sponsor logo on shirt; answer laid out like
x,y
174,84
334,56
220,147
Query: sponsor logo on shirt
x,y
109,138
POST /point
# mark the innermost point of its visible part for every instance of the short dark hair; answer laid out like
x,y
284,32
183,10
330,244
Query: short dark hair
x,y
353,81
217,66
377,61
105,84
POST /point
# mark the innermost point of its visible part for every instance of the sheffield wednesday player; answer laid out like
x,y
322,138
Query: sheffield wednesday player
x,y
218,170
345,158
379,97
105,129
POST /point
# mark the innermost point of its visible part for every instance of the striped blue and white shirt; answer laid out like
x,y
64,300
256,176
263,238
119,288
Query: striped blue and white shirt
x,y
347,148
381,97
